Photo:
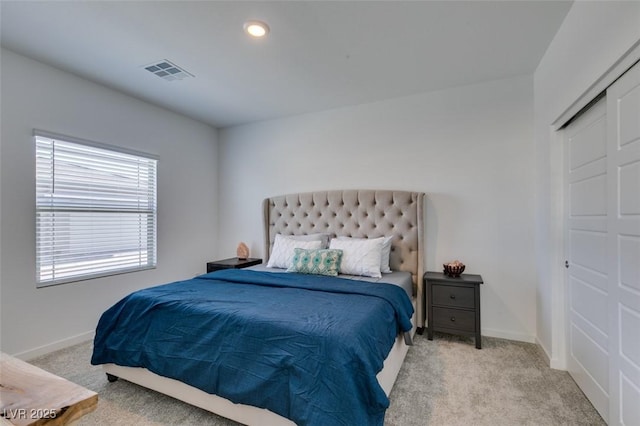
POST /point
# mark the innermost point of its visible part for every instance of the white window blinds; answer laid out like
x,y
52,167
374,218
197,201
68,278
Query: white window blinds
x,y
95,211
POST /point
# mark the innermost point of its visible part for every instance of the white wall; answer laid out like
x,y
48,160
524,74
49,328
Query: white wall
x,y
593,36
35,95
470,149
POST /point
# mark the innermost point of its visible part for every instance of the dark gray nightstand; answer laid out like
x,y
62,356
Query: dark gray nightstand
x,y
232,263
453,304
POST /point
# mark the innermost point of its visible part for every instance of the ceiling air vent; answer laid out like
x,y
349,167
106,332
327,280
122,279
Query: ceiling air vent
x,y
167,70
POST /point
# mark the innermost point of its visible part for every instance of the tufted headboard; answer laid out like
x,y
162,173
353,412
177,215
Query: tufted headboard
x,y
360,214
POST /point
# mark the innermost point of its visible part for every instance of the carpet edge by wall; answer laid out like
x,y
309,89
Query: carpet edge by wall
x,y
54,346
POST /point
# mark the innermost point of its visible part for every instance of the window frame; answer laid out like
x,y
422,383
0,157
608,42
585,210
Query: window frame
x,y
154,233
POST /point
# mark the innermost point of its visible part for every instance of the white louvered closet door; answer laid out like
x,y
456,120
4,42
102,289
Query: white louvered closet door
x,y
623,158
602,175
586,244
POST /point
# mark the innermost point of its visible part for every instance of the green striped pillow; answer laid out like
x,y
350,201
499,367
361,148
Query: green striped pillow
x,y
316,261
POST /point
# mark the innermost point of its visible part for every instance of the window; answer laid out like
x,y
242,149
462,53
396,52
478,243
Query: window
x,y
95,210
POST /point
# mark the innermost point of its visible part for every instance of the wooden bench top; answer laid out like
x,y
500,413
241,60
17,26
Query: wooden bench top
x,y
32,396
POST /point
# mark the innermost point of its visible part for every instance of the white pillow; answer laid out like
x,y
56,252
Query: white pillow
x,y
360,256
283,250
386,253
324,238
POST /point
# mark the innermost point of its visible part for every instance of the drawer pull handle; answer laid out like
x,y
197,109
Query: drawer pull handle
x,y
453,296
453,319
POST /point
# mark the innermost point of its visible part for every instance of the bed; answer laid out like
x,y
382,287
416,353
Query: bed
x,y
302,391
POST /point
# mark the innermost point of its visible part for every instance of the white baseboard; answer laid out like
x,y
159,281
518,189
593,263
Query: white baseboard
x,y
51,347
544,352
501,334
552,362
557,364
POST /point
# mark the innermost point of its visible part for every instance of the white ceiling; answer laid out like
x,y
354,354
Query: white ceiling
x,y
318,55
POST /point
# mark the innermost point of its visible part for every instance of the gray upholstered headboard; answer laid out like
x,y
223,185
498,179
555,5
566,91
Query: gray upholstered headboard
x,y
356,213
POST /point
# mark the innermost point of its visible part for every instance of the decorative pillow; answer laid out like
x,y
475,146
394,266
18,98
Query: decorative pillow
x,y
319,261
361,256
282,251
386,252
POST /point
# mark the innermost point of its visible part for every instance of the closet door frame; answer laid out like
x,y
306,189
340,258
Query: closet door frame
x,y
622,207
556,258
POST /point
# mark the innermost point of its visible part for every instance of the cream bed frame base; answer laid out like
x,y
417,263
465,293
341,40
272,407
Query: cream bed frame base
x,y
357,213
241,413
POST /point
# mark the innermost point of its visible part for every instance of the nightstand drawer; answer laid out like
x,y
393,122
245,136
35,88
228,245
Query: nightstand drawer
x,y
448,295
454,318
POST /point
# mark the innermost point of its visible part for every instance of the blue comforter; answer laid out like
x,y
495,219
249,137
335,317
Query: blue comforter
x,y
306,347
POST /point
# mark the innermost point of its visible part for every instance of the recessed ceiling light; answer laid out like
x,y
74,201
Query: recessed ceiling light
x,y
256,29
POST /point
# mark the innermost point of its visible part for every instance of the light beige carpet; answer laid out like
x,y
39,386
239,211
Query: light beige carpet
x,y
442,382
